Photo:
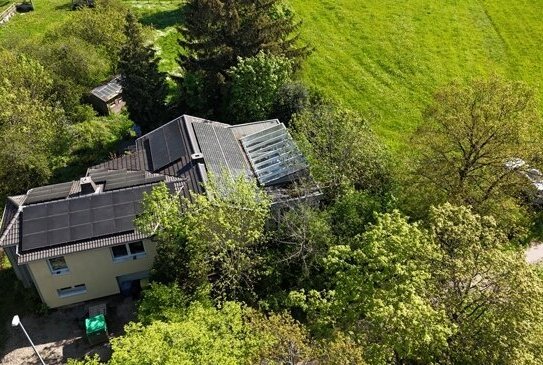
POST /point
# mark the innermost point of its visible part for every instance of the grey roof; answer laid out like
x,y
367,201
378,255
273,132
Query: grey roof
x,y
221,151
242,130
108,91
10,222
274,156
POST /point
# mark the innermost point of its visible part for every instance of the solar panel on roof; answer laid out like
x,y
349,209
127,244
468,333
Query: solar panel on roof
x,y
81,218
159,151
166,145
174,141
49,192
118,179
220,149
273,155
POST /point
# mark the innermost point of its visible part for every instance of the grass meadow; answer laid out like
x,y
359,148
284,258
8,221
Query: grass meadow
x,y
383,59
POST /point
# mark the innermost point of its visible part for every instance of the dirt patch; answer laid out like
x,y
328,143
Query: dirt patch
x,y
60,335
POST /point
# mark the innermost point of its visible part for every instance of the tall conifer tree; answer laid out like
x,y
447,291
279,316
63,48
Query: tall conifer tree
x,y
144,87
217,33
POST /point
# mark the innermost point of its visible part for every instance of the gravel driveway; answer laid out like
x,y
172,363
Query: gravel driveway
x,y
60,335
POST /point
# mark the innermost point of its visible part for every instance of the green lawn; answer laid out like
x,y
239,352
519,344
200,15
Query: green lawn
x,y
384,58
48,14
381,58
4,4
162,16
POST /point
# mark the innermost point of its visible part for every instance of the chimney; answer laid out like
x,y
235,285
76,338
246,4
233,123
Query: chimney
x,y
87,185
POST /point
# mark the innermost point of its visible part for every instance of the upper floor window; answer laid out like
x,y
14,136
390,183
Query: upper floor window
x,y
57,265
126,251
72,290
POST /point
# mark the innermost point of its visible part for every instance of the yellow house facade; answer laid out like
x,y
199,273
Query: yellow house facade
x,y
89,274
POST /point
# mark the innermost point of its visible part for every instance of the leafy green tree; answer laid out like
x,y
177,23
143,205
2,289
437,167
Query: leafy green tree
x,y
162,217
225,233
101,26
162,302
354,211
454,293
470,132
386,278
94,140
144,86
492,296
254,85
290,99
32,127
218,32
214,238
303,236
342,150
232,334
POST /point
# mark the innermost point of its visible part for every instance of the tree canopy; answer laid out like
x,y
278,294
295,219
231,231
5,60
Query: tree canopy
x,y
144,86
454,292
475,141
216,33
341,149
32,127
211,238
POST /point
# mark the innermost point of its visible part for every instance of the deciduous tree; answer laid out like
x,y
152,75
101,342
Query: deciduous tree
x,y
32,127
254,85
342,150
469,135
214,237
453,293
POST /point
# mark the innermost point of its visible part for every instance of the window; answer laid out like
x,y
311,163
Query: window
x,y
127,251
57,265
72,290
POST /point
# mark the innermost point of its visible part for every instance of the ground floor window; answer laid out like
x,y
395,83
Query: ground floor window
x,y
126,251
57,265
72,290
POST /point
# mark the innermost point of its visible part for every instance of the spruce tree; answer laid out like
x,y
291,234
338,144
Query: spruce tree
x,y
217,33
144,87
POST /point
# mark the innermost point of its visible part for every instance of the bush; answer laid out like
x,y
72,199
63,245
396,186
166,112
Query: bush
x,y
290,99
254,85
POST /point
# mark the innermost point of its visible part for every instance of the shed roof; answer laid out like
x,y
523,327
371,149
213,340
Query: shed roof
x,y
108,91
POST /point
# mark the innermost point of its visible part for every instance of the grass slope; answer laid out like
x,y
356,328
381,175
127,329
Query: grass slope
x,y
162,16
380,58
48,15
384,58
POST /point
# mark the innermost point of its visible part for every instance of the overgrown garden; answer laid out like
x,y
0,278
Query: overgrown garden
x,y
411,260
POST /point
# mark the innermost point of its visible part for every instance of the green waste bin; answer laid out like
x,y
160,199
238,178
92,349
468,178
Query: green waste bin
x,y
96,329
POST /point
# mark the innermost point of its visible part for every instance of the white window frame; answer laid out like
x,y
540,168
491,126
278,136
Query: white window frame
x,y
72,290
130,256
59,271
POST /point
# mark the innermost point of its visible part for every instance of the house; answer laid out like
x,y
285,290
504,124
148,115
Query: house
x,y
107,98
76,241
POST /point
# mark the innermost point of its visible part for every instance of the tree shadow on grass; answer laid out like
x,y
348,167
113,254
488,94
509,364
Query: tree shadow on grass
x,y
163,19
